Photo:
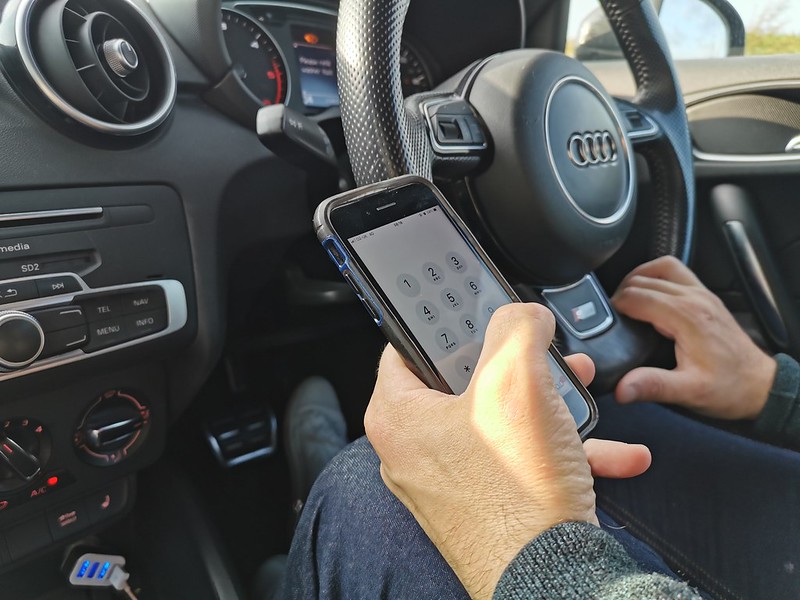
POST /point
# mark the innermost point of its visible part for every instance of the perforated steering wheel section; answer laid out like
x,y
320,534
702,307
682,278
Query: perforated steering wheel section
x,y
384,140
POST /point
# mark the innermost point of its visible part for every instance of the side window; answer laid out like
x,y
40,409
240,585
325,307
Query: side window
x,y
695,28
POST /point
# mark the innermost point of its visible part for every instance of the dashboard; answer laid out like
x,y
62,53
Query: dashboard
x,y
287,55
141,219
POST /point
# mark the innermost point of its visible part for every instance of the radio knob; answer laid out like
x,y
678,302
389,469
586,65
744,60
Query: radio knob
x,y
21,340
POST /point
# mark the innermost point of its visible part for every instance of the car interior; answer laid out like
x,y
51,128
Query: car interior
x,y
162,289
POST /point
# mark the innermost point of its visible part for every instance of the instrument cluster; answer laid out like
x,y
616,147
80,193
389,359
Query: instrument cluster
x,y
286,54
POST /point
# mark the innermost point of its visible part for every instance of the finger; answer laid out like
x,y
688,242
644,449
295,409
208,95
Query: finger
x,y
617,460
582,366
653,385
669,268
391,398
393,372
513,369
652,283
653,307
520,335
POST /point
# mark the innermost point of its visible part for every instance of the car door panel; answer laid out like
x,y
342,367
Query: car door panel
x,y
743,113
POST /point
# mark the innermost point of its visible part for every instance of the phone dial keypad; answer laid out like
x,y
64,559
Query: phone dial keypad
x,y
454,307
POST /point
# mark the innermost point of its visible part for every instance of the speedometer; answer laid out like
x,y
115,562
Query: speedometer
x,y
256,58
413,73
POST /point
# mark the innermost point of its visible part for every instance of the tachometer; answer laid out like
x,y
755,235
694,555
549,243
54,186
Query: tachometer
x,y
256,58
413,73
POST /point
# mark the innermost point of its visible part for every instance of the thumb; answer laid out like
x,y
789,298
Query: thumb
x,y
649,384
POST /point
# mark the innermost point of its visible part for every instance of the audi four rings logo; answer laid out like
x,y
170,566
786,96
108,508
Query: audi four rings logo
x,y
592,148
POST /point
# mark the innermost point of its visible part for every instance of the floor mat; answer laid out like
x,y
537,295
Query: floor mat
x,y
251,503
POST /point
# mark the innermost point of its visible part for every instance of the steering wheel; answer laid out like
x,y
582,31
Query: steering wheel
x,y
545,156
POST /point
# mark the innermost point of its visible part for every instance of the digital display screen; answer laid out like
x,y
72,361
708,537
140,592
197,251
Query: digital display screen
x,y
444,293
316,60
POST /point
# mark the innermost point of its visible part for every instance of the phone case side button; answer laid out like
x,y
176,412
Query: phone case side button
x,y
353,283
335,252
369,305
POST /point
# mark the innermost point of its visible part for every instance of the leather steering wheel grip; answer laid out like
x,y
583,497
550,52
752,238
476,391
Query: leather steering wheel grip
x,y
383,138
637,28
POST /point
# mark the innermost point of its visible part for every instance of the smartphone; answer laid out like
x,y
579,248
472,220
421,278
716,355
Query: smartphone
x,y
427,283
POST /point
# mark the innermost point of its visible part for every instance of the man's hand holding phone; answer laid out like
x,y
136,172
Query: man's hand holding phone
x,y
486,472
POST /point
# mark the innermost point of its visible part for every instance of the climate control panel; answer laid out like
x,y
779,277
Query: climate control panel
x,y
53,320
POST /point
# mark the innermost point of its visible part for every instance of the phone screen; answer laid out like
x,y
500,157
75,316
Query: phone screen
x,y
441,289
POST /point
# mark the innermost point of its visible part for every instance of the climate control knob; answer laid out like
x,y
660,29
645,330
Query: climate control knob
x,y
21,340
115,425
24,452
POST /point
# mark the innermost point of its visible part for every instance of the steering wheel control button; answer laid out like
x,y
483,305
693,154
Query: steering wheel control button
x,y
581,308
67,519
55,286
18,291
21,340
427,312
454,127
408,285
639,126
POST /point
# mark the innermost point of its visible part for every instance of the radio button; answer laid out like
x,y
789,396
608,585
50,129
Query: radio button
x,y
56,319
55,286
18,291
104,308
103,334
66,340
144,300
147,323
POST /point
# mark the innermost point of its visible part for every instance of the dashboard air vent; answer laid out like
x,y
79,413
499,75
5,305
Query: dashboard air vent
x,y
102,62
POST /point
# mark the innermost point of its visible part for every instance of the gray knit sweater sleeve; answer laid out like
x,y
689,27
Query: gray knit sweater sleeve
x,y
779,422
580,561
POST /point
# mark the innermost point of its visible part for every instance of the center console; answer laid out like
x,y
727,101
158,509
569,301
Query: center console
x,y
90,314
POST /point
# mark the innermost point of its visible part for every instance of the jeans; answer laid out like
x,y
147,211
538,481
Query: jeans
x,y
356,540
724,512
